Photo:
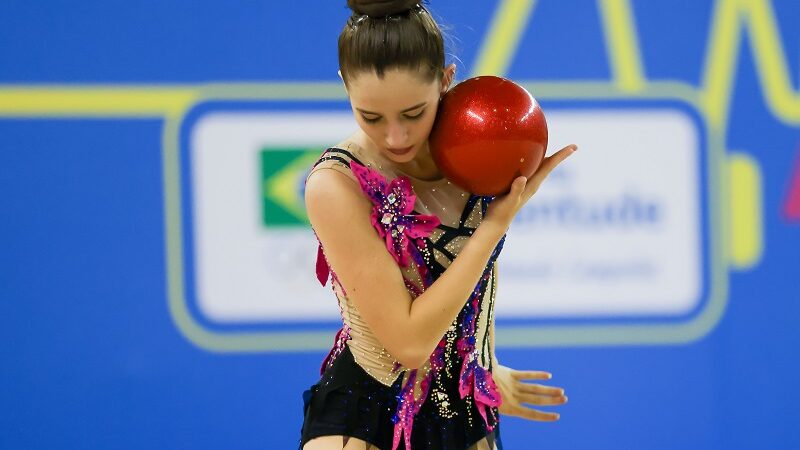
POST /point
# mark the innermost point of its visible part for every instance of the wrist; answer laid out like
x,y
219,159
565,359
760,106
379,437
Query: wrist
x,y
492,229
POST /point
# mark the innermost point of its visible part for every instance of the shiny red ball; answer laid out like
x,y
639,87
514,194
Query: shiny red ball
x,y
488,131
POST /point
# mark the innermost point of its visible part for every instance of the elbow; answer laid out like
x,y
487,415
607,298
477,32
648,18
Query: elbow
x,y
413,357
412,362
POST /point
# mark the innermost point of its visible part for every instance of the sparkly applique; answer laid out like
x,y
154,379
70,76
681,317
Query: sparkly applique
x,y
338,347
476,381
407,408
392,212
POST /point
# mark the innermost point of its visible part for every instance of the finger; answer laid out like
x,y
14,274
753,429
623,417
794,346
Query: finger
x,y
556,158
531,375
518,185
534,414
527,388
542,400
552,161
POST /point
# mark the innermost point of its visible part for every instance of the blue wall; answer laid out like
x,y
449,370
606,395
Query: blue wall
x,y
90,356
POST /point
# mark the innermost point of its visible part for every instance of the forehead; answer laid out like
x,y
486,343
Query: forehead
x,y
396,90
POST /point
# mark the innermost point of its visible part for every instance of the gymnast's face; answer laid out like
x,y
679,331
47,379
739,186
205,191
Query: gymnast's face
x,y
397,111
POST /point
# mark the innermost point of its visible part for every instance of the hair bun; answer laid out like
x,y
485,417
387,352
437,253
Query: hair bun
x,y
381,8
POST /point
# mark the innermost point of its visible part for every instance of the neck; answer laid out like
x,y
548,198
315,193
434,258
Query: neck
x,y
422,166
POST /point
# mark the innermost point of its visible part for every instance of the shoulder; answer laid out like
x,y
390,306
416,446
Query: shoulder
x,y
326,189
335,201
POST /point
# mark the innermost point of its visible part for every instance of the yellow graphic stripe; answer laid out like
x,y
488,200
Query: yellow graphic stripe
x,y
744,198
104,101
771,60
721,61
622,44
143,100
500,45
758,18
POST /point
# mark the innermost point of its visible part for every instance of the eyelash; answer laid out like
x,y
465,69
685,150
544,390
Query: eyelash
x,y
415,117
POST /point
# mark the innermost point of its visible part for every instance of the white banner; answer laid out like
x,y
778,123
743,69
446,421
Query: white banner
x,y
615,231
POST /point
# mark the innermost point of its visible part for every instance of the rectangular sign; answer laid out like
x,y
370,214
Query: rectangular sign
x,y
615,233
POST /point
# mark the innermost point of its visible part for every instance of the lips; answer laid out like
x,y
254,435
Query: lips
x,y
400,151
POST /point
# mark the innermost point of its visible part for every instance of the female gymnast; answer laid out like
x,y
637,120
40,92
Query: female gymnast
x,y
411,259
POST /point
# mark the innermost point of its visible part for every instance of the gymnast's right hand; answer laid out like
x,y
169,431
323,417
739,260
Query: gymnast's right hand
x,y
505,207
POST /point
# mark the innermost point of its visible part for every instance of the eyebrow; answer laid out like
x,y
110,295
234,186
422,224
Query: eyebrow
x,y
403,111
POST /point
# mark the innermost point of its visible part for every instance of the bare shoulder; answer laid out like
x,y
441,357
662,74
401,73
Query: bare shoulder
x,y
332,194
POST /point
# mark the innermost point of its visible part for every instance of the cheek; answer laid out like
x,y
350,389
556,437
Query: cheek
x,y
374,132
370,129
426,124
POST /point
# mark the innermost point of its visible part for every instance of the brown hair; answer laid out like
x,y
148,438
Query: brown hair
x,y
385,34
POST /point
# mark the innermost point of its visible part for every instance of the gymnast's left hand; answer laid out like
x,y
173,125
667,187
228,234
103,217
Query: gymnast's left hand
x,y
517,394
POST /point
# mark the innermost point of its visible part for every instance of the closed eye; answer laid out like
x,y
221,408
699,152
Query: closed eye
x,y
407,116
415,116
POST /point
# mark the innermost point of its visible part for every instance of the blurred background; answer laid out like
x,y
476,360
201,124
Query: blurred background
x,y
157,285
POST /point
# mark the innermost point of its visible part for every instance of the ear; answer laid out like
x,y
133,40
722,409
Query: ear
x,y
448,77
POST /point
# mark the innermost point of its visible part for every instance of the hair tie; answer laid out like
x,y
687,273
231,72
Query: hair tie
x,y
381,8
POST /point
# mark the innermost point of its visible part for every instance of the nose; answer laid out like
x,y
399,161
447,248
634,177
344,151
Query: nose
x,y
396,136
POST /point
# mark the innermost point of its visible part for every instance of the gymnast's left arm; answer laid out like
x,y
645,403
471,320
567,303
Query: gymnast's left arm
x,y
517,394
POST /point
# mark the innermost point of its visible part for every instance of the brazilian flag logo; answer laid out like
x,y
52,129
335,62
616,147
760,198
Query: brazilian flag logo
x,y
283,175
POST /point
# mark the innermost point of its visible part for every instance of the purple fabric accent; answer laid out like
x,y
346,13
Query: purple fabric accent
x,y
406,410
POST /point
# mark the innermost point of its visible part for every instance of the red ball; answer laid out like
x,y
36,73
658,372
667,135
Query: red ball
x,y
488,131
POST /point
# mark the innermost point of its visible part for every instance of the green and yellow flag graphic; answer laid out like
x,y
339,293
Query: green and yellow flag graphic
x,y
283,174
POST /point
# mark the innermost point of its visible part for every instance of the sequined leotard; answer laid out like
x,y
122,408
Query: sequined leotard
x,y
451,401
